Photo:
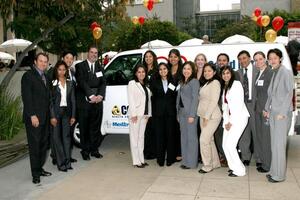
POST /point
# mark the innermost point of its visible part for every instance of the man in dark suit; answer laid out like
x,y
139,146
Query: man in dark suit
x,y
248,74
90,94
35,96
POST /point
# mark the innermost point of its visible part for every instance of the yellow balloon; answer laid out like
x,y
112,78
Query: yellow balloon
x,y
254,18
265,20
145,2
97,33
271,35
135,20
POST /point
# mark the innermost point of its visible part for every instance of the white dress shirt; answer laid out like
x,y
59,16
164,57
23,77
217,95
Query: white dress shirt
x,y
63,94
249,75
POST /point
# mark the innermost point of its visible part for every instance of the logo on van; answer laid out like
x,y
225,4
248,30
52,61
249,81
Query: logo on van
x,y
116,110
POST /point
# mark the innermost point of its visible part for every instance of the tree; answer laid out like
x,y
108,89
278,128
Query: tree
x,y
6,7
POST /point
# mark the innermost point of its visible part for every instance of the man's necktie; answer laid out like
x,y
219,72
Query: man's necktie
x,y
92,68
44,78
246,85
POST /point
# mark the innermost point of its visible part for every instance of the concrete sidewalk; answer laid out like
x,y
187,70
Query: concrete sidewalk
x,y
114,177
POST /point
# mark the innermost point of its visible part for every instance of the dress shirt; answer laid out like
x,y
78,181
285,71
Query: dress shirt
x,y
249,75
90,65
165,85
63,94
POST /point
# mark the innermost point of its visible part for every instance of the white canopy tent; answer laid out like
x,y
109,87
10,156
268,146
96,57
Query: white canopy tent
x,y
6,56
15,45
282,39
237,39
192,42
155,44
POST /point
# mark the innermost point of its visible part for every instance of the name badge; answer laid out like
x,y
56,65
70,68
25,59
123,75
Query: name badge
x,y
178,87
171,87
260,83
99,74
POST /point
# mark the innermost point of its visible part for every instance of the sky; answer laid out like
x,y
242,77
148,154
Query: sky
x,y
212,5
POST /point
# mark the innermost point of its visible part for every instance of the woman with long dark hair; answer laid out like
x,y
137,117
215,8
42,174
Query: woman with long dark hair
x,y
186,103
235,119
62,107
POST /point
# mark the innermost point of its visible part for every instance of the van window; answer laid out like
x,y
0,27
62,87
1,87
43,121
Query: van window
x,y
120,71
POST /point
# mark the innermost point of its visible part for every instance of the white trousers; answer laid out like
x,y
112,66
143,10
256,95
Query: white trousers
x,y
136,136
230,141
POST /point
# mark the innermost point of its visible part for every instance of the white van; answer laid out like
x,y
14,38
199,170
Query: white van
x,y
118,73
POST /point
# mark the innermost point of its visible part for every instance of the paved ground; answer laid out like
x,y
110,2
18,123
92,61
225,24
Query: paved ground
x,y
113,177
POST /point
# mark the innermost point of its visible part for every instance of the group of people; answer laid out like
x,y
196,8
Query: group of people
x,y
231,115
51,109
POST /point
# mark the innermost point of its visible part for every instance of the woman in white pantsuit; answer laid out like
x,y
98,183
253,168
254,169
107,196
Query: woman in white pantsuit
x,y
235,119
138,113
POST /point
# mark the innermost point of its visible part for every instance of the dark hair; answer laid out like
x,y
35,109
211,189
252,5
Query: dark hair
x,y
154,67
92,46
202,80
259,53
228,86
275,51
244,52
55,69
223,54
169,75
136,69
67,52
193,75
178,75
41,54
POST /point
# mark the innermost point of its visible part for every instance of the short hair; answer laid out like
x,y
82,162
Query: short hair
x,y
68,52
275,51
223,54
244,52
41,54
92,46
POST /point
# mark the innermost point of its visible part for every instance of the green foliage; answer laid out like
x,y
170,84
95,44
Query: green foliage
x,y
125,35
10,115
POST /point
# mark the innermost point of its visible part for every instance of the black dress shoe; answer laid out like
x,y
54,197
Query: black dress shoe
x,y
36,180
73,160
261,170
63,170
184,167
85,156
268,176
45,173
230,171
139,166
145,164
70,168
201,171
169,164
232,175
246,162
258,164
54,162
96,154
271,180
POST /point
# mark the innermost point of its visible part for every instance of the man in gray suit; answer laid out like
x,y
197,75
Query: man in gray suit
x,y
248,74
279,110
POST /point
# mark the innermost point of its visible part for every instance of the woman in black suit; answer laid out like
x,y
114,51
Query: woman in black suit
x,y
164,114
62,111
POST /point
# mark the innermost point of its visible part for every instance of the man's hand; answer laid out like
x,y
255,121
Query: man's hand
x,y
35,121
93,99
53,122
99,98
72,121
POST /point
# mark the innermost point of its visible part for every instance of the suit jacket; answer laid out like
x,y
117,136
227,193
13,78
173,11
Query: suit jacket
x,y
163,104
35,96
209,96
89,83
56,98
261,87
254,74
280,92
189,96
235,109
137,99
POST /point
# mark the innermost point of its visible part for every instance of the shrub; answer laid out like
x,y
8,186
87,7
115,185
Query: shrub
x,y
10,115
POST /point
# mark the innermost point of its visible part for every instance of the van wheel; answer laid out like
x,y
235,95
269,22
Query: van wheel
x,y
76,136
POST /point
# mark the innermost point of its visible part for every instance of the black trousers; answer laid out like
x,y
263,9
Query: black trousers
x,y
150,140
38,143
61,140
165,138
90,119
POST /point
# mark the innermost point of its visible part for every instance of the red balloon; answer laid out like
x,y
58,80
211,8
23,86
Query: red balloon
x,y
94,25
141,20
259,22
150,5
257,12
277,23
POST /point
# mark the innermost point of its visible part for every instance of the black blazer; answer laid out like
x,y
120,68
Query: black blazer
x,y
88,83
56,97
35,96
262,89
163,104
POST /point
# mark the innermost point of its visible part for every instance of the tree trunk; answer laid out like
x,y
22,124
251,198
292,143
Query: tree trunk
x,y
12,71
4,21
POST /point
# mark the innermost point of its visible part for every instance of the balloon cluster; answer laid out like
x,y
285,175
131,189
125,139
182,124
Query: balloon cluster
x,y
96,30
149,4
138,20
264,21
